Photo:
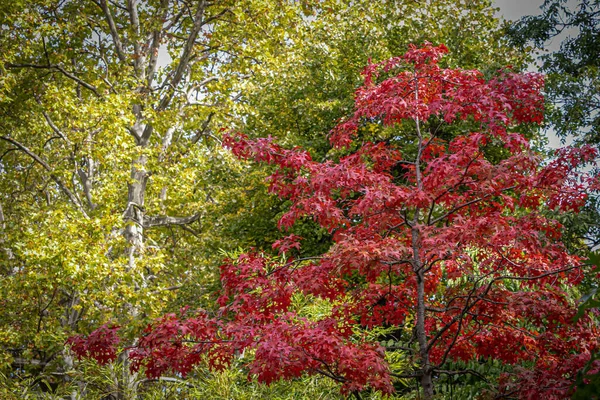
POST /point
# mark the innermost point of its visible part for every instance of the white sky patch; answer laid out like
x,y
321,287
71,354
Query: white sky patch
x,y
164,58
515,9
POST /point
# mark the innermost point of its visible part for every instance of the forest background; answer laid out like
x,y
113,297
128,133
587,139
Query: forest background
x,y
118,202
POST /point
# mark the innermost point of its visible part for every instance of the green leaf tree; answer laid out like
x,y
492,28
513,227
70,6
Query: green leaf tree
x,y
573,79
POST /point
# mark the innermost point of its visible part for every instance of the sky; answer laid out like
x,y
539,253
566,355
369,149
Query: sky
x,y
515,9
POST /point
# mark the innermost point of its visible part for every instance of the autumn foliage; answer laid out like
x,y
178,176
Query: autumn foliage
x,y
446,236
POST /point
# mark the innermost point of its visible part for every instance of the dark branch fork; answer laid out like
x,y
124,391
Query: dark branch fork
x,y
472,300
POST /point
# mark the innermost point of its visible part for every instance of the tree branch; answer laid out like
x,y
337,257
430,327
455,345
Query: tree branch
x,y
155,45
167,289
139,54
113,31
55,178
55,128
59,68
406,376
87,187
166,220
459,318
185,56
468,203
166,379
203,129
216,16
481,297
198,86
448,190
462,372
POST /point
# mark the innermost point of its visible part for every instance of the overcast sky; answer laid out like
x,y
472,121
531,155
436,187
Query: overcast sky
x,y
515,9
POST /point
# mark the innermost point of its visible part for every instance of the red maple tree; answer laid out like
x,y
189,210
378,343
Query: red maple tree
x,y
425,228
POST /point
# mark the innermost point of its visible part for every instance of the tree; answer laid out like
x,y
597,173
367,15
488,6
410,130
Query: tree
x,y
450,251
573,69
115,194
573,77
109,160
573,114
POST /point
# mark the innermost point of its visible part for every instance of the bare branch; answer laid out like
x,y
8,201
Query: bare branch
x,y
113,31
185,56
155,45
139,57
55,128
166,220
462,372
203,129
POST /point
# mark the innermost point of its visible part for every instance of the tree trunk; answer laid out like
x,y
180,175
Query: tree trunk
x,y
135,212
426,380
419,269
3,238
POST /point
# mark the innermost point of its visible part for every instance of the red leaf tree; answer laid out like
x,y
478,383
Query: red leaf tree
x,y
425,228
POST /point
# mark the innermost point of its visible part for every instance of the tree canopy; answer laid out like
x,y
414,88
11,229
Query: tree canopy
x,y
118,201
430,238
